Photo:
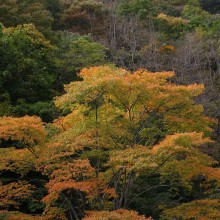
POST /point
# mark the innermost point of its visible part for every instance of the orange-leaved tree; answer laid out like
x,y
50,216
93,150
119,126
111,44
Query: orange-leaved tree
x,y
115,122
122,136
19,140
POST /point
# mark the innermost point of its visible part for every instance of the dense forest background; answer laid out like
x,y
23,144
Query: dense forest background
x,y
89,127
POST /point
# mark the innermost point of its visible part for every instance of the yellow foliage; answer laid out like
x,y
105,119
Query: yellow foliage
x,y
182,139
172,20
207,209
115,215
79,170
137,158
13,215
16,160
111,104
36,37
185,161
28,130
121,115
167,48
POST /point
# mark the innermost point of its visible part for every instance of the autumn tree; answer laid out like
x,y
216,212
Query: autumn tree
x,y
125,139
116,120
122,136
20,138
149,97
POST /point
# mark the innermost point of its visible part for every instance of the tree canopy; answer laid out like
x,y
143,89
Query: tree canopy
x,y
109,109
109,146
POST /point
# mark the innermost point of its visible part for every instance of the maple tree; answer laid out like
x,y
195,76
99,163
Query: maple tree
x,y
120,131
13,193
29,131
19,140
141,107
105,124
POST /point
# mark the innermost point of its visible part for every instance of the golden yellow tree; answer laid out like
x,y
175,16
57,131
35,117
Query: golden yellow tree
x,y
116,121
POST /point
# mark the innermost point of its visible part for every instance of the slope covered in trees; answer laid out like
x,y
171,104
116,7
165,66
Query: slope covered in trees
x,y
109,109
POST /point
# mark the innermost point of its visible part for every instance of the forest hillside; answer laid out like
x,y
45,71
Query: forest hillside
x,y
110,109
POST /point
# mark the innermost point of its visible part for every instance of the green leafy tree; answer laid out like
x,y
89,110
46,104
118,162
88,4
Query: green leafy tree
x,y
142,8
27,69
74,53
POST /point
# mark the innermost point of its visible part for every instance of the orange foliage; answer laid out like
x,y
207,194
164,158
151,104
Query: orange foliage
x,y
117,115
16,160
167,48
185,160
124,114
76,176
207,209
92,188
29,130
13,193
51,154
79,170
132,98
184,139
19,216
115,215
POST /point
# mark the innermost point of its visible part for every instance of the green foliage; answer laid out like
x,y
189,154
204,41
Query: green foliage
x,y
173,27
196,16
6,108
1,29
54,6
26,66
76,52
30,74
13,13
142,8
45,110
